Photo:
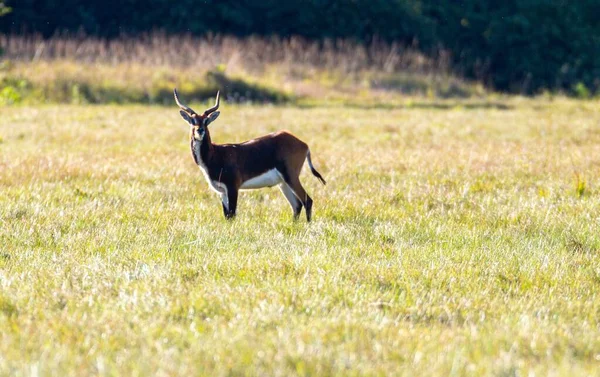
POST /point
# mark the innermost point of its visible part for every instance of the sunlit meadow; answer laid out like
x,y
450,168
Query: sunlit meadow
x,y
452,238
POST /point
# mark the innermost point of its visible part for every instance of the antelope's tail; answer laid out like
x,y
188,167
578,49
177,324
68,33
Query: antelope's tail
x,y
313,170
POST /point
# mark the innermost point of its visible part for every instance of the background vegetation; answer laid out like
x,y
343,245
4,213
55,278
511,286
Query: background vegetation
x,y
522,46
145,70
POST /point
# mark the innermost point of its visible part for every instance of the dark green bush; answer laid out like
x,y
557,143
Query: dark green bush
x,y
3,8
523,45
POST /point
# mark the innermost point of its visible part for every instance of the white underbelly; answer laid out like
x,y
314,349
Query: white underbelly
x,y
267,179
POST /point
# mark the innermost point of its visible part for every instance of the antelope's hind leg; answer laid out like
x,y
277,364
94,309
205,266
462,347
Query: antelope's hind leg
x,y
308,206
301,195
295,203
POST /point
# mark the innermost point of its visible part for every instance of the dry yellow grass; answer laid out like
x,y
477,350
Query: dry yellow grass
x,y
144,70
453,238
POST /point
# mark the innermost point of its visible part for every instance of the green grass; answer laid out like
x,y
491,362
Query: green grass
x,y
453,238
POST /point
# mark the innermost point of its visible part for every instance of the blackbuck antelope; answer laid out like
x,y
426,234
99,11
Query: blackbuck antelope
x,y
273,159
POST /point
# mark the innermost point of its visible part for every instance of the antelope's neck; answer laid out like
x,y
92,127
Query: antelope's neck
x,y
203,156
202,150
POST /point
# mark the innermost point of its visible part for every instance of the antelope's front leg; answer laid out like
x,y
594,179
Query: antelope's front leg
x,y
229,200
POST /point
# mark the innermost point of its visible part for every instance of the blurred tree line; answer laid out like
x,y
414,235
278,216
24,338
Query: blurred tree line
x,y
512,45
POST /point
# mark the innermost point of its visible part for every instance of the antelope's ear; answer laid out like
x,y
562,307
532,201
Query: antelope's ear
x,y
211,118
186,117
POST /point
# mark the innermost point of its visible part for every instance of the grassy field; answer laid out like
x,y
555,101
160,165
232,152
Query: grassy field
x,y
453,238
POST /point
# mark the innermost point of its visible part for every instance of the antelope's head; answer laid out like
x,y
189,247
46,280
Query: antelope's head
x,y
198,122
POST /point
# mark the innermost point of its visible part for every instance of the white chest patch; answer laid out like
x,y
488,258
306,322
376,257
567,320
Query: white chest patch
x,y
267,179
217,186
